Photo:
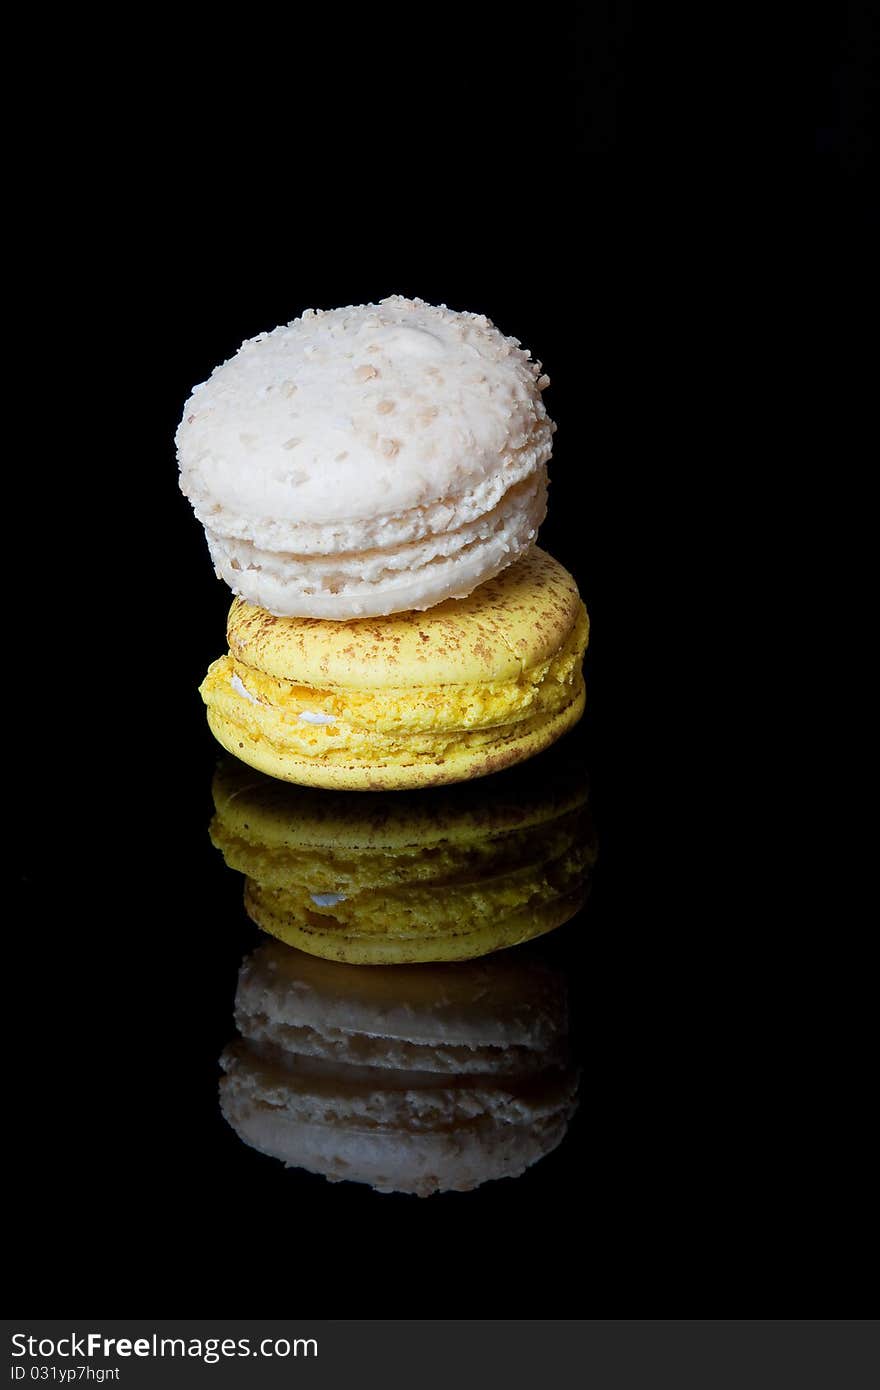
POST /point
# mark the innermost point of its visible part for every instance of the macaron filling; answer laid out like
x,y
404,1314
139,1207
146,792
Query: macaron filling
x,y
417,913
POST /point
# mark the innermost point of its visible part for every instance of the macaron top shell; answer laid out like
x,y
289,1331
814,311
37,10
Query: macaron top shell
x,y
352,414
507,627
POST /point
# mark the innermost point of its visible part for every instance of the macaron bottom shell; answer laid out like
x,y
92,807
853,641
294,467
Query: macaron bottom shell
x,y
455,758
409,941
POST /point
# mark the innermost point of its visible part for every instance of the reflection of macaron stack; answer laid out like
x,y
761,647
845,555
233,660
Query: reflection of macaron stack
x,y
412,1078
421,876
373,461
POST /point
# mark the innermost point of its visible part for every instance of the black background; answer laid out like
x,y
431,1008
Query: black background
x,y
529,175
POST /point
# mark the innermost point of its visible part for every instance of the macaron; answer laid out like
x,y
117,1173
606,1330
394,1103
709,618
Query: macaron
x,y
417,1079
368,460
416,700
446,875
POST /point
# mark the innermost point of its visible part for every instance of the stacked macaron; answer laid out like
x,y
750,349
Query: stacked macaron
x,y
419,1079
371,481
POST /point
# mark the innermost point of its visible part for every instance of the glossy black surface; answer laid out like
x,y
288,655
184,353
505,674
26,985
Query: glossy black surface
x,y
717,1154
131,930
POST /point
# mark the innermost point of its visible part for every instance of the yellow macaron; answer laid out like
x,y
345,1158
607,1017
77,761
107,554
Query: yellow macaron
x,y
443,875
414,700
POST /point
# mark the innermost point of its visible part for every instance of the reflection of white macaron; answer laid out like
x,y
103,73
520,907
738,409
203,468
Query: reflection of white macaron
x,y
368,460
414,1079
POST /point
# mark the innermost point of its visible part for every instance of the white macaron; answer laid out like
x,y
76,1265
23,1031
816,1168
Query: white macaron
x,y
368,460
416,1079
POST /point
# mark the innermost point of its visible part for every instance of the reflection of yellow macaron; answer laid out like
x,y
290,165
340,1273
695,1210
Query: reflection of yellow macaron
x,y
424,876
414,700
416,1079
